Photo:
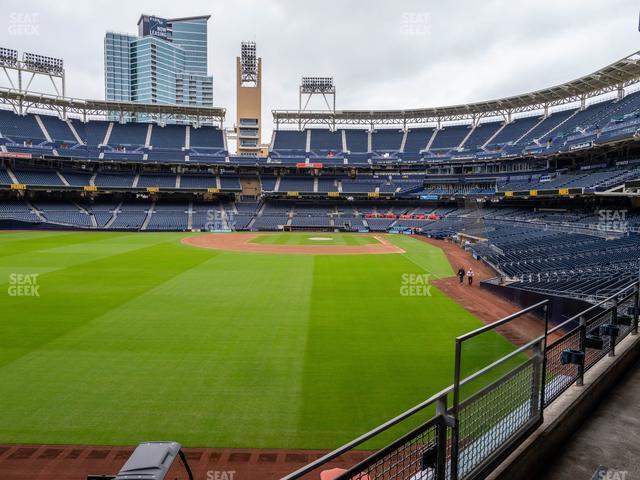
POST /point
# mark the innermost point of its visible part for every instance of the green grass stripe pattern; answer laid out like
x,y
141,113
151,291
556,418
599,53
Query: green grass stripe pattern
x,y
137,337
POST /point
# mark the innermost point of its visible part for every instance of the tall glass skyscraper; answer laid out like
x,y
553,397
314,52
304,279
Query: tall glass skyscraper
x,y
165,63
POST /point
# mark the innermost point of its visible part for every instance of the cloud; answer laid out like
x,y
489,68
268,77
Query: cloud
x,y
400,54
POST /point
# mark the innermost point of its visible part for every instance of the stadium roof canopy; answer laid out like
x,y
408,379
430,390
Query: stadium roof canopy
x,y
22,101
611,78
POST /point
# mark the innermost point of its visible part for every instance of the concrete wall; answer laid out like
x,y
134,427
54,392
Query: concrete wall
x,y
560,308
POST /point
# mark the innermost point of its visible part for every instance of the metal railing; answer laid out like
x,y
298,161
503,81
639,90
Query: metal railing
x,y
588,337
475,428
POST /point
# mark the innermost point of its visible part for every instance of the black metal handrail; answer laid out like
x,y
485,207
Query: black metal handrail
x,y
439,453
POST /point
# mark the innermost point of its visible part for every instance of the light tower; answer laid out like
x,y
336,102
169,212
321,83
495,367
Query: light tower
x,y
317,86
19,75
322,86
248,100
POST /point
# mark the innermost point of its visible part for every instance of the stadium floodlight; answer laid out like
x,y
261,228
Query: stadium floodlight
x,y
43,64
317,85
8,57
248,63
20,74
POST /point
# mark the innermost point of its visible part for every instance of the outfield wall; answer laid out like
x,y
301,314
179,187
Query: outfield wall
x,y
9,224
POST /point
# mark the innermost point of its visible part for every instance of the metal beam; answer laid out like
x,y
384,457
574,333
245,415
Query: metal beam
x,y
611,78
86,108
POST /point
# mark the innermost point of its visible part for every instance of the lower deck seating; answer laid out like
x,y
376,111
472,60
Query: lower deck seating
x,y
406,186
309,221
129,221
17,210
270,222
549,251
379,224
38,177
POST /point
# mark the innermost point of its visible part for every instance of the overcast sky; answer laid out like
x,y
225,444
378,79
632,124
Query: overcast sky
x,y
382,54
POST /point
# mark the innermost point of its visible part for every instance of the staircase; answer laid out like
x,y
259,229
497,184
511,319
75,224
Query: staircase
x,y
496,133
105,141
187,141
431,139
114,215
45,132
404,139
190,215
62,179
92,218
530,130
546,134
12,175
75,132
464,140
38,213
147,219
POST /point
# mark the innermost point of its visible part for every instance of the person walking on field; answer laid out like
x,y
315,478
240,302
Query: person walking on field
x,y
461,274
470,276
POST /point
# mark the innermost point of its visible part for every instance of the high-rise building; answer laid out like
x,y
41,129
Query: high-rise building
x,y
165,63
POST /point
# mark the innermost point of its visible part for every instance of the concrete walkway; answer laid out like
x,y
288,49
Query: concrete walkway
x,y
610,438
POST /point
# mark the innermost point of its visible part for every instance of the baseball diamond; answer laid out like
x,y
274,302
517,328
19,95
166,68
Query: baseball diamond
x,y
218,267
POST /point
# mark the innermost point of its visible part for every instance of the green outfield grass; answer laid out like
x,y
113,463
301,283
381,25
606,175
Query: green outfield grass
x,y
135,336
315,238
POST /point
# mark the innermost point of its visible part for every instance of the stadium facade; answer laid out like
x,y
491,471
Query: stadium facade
x,y
166,63
543,187
529,169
